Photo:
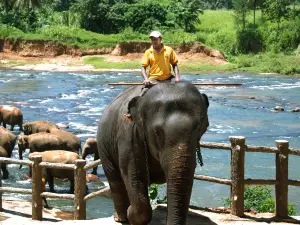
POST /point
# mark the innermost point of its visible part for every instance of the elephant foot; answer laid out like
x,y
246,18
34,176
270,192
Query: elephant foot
x,y
120,219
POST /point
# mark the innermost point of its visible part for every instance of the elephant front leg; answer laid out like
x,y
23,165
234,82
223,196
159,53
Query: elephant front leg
x,y
4,171
50,180
96,157
140,211
118,191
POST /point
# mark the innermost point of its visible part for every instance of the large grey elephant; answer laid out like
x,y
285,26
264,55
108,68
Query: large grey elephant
x,y
37,126
90,148
11,115
7,144
57,156
158,146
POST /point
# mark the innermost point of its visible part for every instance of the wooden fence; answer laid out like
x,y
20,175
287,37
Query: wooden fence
x,y
80,167
237,181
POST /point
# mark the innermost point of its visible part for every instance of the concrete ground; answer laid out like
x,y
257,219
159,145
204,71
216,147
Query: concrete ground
x,y
17,211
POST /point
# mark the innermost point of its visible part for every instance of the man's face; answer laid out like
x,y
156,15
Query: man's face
x,y
156,42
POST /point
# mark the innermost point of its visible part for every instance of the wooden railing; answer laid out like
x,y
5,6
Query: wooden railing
x,y
237,181
80,167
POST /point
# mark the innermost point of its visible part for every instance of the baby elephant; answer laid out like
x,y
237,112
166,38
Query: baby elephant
x,y
11,115
57,156
90,147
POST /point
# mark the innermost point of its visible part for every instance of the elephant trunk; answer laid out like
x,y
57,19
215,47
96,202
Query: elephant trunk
x,y
84,153
180,178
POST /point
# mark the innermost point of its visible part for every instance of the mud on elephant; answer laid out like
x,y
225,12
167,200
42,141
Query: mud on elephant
x,y
11,115
57,156
7,144
89,148
158,146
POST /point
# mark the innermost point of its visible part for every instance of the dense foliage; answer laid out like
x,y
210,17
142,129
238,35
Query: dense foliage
x,y
251,26
260,199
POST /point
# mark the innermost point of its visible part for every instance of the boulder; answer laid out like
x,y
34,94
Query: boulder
x,y
279,108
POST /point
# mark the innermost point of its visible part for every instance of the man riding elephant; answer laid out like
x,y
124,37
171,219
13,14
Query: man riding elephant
x,y
158,146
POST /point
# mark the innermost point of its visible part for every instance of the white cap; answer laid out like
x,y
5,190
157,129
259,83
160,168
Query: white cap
x,y
155,34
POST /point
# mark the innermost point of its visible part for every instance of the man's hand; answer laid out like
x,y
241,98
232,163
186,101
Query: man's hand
x,y
177,79
148,82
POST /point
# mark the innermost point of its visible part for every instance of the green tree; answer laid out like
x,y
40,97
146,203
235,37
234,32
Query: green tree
x,y
146,16
186,13
241,8
94,15
29,5
276,10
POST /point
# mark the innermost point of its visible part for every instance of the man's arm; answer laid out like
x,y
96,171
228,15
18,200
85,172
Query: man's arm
x,y
176,71
144,73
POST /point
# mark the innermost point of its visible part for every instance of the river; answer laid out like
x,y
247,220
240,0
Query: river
x,y
78,99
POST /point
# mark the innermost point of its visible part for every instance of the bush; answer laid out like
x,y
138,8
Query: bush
x,y
154,195
225,40
249,40
261,200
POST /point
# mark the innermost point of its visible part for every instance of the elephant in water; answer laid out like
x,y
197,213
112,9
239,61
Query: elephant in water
x,y
73,143
57,156
7,144
11,115
37,126
90,147
158,146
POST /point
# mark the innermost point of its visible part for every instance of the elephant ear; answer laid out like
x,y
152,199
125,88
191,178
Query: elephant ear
x,y
206,100
133,108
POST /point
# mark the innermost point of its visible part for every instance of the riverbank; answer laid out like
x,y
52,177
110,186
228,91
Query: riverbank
x,y
189,63
17,211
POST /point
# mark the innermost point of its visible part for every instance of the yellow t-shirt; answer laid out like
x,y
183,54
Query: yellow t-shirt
x,y
160,68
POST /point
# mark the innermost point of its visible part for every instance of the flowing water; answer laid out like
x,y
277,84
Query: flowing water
x,y
78,100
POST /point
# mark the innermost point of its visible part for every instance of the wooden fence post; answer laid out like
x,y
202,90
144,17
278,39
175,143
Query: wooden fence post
x,y
80,190
37,204
282,173
237,175
0,192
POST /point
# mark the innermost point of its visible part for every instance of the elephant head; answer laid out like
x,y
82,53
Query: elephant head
x,y
90,147
27,129
23,144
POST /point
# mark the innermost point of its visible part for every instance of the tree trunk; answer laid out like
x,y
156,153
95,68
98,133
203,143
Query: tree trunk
x,y
254,9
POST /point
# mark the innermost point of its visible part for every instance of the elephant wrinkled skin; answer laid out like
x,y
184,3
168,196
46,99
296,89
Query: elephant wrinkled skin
x,y
37,126
89,148
158,146
57,156
7,144
11,115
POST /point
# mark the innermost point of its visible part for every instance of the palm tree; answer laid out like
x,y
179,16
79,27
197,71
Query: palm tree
x,y
29,4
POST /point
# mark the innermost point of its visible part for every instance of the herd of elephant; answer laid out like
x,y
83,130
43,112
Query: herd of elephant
x,y
42,137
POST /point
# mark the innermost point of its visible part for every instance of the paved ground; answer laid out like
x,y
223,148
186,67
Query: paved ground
x,y
18,212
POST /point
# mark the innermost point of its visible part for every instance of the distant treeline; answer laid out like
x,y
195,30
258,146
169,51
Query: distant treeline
x,y
259,25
